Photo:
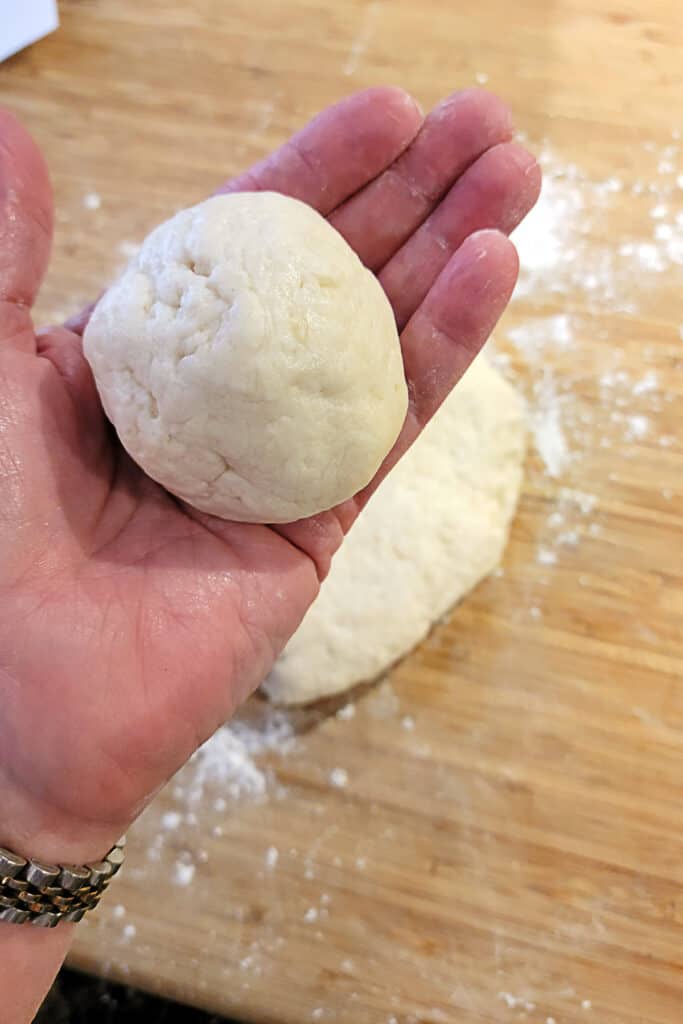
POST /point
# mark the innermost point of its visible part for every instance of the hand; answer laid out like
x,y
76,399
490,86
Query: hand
x,y
131,627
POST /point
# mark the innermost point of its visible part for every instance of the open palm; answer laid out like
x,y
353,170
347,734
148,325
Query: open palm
x,y
130,625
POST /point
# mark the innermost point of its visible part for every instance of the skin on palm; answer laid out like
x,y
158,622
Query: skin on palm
x,y
131,625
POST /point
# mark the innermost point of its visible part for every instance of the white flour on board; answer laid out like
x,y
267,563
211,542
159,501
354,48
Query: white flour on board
x,y
557,246
228,763
552,356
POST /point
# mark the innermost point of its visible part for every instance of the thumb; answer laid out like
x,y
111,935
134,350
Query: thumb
x,y
26,217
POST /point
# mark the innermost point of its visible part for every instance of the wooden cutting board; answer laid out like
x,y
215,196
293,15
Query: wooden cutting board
x,y
494,833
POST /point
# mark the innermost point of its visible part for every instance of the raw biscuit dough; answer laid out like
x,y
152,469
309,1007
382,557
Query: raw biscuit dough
x,y
435,528
249,361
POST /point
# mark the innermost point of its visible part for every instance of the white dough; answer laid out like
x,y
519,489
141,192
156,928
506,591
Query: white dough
x,y
248,360
436,526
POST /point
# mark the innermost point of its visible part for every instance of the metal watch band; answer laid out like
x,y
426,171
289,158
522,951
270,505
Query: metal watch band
x,y
45,894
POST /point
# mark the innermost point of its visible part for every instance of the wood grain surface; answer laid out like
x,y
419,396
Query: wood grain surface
x,y
505,839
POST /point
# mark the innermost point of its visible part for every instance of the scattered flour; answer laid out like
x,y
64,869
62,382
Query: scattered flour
x,y
558,254
649,382
128,249
339,777
517,1002
363,38
228,761
559,358
183,873
533,338
638,427
546,421
347,712
583,501
171,819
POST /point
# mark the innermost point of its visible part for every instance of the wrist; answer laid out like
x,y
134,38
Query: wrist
x,y
52,870
39,832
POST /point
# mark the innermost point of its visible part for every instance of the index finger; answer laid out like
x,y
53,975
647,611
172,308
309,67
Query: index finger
x,y
339,151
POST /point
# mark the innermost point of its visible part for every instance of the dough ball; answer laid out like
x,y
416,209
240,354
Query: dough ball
x,y
437,525
249,361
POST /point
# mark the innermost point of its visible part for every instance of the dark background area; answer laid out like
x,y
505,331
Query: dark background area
x,y
79,999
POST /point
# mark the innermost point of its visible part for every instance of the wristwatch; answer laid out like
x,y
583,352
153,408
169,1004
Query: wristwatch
x,y
45,894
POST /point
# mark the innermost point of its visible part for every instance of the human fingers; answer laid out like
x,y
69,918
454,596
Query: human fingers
x,y
497,192
339,151
380,218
